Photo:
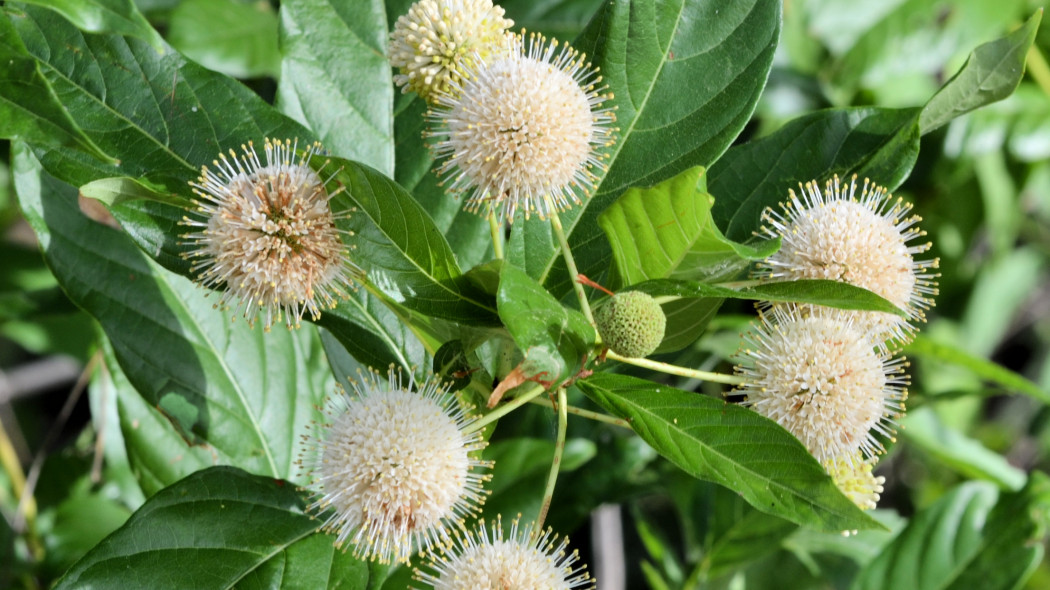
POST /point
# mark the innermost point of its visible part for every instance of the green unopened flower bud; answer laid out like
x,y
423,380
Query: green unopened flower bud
x,y
631,323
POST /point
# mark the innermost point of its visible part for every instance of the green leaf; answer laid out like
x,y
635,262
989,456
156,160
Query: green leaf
x,y
881,144
561,19
555,340
235,37
666,231
216,529
686,77
925,348
961,541
114,191
731,446
400,249
965,455
123,109
105,16
991,73
335,76
218,382
685,324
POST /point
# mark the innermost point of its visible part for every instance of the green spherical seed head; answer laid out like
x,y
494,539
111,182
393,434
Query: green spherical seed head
x,y
631,323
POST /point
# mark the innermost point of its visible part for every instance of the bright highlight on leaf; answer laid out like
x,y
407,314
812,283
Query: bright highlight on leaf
x,y
266,235
524,130
394,469
484,558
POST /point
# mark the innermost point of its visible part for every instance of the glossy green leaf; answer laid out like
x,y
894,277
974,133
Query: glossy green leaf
x,y
816,291
685,302
686,77
336,79
555,340
927,348
966,540
105,16
878,143
967,456
235,37
219,528
666,231
127,109
991,73
114,191
732,446
397,245
218,382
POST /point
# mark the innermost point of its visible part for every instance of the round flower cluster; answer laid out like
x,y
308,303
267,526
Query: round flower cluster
x,y
857,239
827,375
485,559
395,467
524,130
436,43
267,234
819,377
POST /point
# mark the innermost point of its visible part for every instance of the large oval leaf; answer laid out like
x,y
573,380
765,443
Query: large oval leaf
x,y
686,76
335,76
219,528
732,446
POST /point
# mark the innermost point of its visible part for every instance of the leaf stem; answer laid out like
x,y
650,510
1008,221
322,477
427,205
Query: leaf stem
x,y
496,230
559,451
505,409
597,417
570,262
677,370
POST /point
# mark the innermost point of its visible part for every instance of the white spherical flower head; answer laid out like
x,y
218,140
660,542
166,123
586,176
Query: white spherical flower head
x,y
437,40
266,234
485,560
524,130
817,376
853,475
395,467
857,239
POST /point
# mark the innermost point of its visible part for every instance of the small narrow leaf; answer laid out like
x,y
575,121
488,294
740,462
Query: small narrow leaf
x,y
991,73
923,347
732,446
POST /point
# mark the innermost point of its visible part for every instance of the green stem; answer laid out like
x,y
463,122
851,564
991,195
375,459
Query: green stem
x,y
505,409
676,370
496,229
542,401
559,450
570,262
1038,69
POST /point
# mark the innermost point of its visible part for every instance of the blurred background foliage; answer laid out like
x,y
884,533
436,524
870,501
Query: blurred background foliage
x,y
982,185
